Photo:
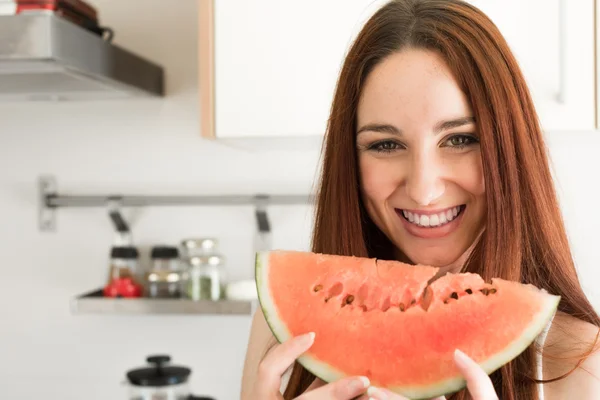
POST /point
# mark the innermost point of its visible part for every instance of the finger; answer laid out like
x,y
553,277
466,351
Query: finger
x,y
279,359
317,383
383,394
343,389
478,382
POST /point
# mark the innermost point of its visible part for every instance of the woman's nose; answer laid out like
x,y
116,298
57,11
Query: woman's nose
x,y
425,184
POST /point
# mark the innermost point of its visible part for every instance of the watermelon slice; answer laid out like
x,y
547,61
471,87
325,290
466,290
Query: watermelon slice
x,y
383,320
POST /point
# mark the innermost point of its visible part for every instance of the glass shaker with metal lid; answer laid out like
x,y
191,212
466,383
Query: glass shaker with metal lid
x,y
165,276
123,274
205,273
191,247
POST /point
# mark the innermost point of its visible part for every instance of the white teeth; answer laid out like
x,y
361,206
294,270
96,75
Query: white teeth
x,y
433,219
443,218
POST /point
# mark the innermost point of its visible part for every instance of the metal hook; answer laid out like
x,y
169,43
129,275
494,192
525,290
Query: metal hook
x,y
262,219
123,236
114,212
263,232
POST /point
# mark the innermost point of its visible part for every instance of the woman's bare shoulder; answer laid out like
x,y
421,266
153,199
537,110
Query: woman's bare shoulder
x,y
259,342
569,339
570,334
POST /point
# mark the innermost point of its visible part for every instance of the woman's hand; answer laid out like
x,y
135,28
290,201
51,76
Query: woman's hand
x,y
478,382
282,356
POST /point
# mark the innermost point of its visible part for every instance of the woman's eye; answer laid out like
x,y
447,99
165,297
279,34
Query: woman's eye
x,y
460,141
385,146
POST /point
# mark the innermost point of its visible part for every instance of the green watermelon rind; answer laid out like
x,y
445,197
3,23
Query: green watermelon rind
x,y
278,328
329,374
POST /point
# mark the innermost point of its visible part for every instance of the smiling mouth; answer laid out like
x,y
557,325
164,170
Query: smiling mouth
x,y
432,220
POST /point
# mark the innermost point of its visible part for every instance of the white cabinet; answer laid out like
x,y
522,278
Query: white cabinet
x,y
553,41
268,68
275,63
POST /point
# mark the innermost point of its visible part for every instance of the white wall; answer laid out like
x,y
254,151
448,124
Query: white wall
x,y
155,147
576,165
132,147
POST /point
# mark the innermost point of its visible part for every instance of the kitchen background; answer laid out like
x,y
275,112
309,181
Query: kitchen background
x,y
154,146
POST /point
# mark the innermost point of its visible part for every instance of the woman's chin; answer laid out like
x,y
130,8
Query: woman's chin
x,y
452,263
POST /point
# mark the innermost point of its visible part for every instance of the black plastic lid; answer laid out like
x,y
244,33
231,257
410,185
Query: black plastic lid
x,y
159,374
164,252
124,252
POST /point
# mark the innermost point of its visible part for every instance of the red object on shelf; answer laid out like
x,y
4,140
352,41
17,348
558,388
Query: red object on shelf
x,y
123,287
78,12
76,6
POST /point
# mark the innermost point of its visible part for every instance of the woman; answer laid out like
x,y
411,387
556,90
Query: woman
x,y
434,155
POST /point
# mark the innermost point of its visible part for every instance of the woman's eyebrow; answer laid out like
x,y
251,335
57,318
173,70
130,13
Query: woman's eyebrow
x,y
439,127
381,128
453,123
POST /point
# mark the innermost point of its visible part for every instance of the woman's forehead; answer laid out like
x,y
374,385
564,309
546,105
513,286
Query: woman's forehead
x,y
412,86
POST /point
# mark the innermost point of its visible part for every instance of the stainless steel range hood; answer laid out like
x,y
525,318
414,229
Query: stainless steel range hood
x,y
43,57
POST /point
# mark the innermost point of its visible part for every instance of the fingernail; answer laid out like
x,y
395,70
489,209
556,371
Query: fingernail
x,y
461,357
308,337
361,383
376,393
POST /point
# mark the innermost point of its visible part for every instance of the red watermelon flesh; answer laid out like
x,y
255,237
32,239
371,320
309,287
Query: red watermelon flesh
x,y
383,320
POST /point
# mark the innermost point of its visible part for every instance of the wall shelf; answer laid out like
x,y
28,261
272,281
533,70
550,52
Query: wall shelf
x,y
95,303
50,200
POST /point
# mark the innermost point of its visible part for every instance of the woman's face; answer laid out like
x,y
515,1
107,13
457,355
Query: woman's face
x,y
420,160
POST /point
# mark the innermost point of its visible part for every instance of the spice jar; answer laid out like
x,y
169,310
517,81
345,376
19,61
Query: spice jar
x,y
122,281
205,272
165,276
204,278
191,247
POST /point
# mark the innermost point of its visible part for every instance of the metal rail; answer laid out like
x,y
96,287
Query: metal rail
x,y
50,200
56,200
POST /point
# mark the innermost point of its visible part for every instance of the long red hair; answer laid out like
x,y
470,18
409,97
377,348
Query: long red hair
x,y
525,238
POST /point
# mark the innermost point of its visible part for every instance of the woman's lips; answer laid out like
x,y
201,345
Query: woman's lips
x,y
441,218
